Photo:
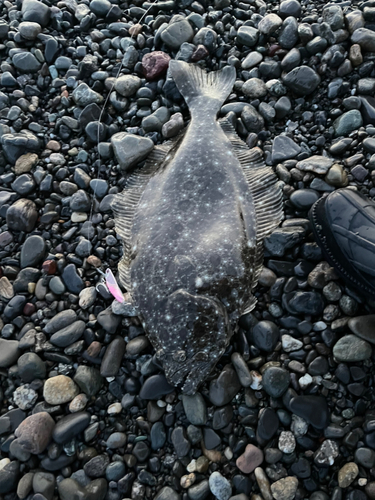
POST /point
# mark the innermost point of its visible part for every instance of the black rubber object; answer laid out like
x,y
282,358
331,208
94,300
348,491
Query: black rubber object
x,y
344,227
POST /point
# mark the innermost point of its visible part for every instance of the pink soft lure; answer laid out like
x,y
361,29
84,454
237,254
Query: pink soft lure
x,y
113,287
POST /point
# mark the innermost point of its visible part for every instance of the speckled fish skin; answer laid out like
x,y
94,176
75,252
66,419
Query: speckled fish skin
x,y
193,251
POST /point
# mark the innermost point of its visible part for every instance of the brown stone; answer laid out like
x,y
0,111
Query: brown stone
x,y
34,433
94,349
212,455
53,146
250,459
29,309
155,64
347,474
6,289
59,390
370,490
285,488
135,30
5,238
355,55
49,266
199,53
273,49
25,163
93,260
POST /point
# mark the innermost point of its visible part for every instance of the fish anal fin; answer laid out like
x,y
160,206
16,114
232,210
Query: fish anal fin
x,y
249,305
124,204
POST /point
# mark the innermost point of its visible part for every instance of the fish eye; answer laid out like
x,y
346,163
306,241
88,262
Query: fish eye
x,y
179,356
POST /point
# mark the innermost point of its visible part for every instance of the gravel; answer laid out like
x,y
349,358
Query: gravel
x,y
86,410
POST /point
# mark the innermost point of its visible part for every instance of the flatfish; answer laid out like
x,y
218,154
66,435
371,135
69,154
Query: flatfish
x,y
192,221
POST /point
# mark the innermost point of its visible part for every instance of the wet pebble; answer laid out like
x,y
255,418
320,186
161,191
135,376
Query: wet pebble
x,y
225,387
220,486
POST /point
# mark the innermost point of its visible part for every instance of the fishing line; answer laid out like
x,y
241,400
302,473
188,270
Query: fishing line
x,y
108,274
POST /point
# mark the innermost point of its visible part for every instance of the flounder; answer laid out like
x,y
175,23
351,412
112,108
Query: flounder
x,y
193,220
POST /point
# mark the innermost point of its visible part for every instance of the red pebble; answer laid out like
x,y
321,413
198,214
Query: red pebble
x,y
29,309
272,49
199,53
49,266
155,64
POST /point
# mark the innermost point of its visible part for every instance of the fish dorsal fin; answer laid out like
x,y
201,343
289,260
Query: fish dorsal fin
x,y
124,204
267,194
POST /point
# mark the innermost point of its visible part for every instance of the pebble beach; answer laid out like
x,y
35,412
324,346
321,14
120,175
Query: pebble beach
x,y
86,412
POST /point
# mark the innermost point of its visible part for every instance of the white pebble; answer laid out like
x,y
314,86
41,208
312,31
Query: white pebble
x,y
114,409
4,462
290,344
256,383
299,426
305,381
192,466
287,442
319,326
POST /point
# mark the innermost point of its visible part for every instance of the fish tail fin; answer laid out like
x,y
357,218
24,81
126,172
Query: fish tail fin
x,y
203,92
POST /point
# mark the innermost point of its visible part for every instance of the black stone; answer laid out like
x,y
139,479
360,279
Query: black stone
x,y
69,334
31,367
60,321
211,439
108,320
22,215
180,442
225,387
155,387
302,302
69,426
267,425
51,50
158,435
14,307
9,475
301,468
58,463
112,358
96,467
141,451
319,366
71,279
275,381
89,114
33,251
26,276
222,417
302,80
313,409
284,148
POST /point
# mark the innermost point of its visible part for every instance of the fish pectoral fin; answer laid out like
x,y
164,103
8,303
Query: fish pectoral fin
x,y
264,187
